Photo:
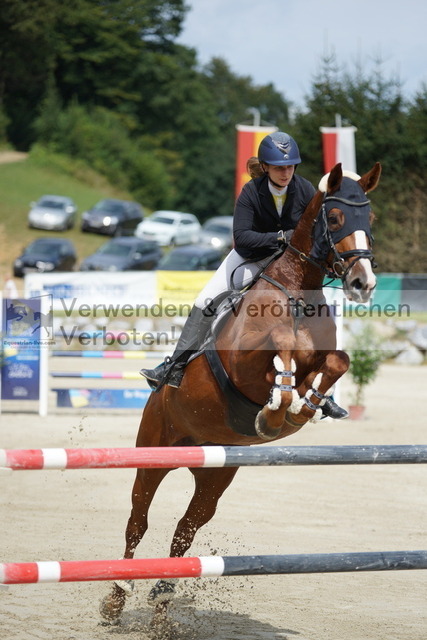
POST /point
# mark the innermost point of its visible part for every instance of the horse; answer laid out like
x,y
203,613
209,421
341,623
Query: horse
x,y
280,366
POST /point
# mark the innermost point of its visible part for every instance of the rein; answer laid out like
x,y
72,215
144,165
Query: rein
x,y
297,304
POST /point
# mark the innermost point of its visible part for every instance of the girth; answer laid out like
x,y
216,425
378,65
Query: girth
x,y
241,412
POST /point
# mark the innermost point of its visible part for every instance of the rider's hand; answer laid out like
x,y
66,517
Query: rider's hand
x,y
284,237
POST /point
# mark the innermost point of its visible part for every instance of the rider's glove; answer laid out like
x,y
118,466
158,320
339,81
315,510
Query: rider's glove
x,y
284,237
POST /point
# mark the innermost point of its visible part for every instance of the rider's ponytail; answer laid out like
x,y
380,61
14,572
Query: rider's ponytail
x,y
253,167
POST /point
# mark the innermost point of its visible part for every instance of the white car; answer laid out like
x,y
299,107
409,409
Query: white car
x,y
53,213
170,228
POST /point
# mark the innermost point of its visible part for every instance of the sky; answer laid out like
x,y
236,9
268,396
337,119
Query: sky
x,y
283,41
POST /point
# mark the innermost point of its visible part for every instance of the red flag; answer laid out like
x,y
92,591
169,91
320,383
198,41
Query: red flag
x,y
248,141
339,146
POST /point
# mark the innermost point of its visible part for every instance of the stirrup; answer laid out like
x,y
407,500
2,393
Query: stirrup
x,y
173,377
154,376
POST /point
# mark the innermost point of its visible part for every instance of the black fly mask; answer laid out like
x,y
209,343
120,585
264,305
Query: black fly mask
x,y
351,200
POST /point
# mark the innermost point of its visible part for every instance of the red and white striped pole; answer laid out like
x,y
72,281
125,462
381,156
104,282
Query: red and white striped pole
x,y
84,571
111,458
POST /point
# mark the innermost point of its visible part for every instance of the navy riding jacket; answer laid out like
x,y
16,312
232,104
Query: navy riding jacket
x,y
256,221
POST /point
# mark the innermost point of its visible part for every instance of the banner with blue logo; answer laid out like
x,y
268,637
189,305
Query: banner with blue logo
x,y
26,328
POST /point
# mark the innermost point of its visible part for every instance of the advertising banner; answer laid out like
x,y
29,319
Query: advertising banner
x,y
70,290
177,290
248,141
102,398
26,334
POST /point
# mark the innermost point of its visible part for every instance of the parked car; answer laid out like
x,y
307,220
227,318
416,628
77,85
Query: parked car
x,y
218,232
52,213
170,228
113,217
191,258
124,254
46,254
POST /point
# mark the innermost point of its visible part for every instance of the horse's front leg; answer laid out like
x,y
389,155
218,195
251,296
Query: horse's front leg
x,y
317,386
270,421
145,486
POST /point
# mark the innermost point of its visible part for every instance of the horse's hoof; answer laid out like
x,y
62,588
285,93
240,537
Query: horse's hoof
x,y
162,592
111,606
161,626
263,430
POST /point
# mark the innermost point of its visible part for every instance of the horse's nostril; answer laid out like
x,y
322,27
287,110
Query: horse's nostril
x,y
356,284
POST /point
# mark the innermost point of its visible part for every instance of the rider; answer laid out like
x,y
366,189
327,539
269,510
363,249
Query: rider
x,y
266,213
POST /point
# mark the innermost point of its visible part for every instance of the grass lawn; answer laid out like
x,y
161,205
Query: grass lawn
x,y
24,182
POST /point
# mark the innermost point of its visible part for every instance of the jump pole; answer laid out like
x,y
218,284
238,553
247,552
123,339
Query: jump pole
x,y
108,354
209,456
210,566
125,375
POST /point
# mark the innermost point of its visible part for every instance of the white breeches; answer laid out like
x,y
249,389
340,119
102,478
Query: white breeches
x,y
221,281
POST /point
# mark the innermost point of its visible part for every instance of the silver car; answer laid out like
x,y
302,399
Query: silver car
x,y
53,213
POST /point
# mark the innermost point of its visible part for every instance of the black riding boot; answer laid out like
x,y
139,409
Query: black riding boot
x,y
331,410
192,335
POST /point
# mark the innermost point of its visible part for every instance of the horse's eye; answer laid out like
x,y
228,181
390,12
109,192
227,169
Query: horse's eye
x,y
335,220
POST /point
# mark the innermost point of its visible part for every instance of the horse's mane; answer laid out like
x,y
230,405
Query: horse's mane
x,y
302,237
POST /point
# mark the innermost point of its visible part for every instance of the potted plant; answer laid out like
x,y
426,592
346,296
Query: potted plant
x,y
365,358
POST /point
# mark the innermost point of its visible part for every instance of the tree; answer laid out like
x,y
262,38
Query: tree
x,y
26,46
93,48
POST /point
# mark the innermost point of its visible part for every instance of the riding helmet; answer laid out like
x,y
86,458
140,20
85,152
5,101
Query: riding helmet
x,y
279,148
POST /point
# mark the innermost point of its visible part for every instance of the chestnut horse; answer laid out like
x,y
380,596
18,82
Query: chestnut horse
x,y
278,354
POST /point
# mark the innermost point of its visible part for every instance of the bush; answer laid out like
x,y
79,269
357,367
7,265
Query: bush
x,y
103,140
365,359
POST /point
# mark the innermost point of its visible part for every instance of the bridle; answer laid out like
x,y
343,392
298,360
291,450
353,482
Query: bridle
x,y
338,268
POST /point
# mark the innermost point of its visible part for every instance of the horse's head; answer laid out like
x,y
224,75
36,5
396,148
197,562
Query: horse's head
x,y
342,233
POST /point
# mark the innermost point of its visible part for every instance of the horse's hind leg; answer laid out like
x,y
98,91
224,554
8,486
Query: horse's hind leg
x,y
210,485
145,486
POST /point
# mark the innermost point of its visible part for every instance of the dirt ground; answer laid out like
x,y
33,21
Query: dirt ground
x,y
81,515
12,156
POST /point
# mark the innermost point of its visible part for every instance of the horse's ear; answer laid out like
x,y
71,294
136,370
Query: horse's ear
x,y
335,178
370,180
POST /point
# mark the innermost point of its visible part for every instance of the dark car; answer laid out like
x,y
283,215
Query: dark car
x,y
46,255
192,258
218,232
124,254
113,217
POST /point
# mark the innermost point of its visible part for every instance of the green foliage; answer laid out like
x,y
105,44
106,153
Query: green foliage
x,y
365,359
4,122
100,138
